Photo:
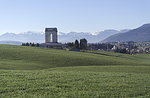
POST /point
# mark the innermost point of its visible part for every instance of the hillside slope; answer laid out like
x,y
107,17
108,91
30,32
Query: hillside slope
x,y
141,34
20,57
72,74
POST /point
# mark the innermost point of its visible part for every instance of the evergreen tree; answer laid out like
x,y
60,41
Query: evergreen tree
x,y
30,44
76,44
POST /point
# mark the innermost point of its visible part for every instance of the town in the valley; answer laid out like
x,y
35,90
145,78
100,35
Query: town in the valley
x,y
129,47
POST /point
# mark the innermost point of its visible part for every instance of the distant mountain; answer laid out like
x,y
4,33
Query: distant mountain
x,y
141,34
39,37
92,38
23,37
11,42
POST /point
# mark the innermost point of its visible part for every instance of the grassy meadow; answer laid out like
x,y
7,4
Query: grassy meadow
x,y
30,72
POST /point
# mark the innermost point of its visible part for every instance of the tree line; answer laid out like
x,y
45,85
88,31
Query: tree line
x,y
31,44
78,45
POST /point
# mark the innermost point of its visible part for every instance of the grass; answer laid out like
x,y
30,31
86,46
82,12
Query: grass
x,y
29,72
31,58
70,82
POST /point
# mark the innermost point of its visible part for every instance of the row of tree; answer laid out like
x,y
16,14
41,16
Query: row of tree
x,y
31,44
78,45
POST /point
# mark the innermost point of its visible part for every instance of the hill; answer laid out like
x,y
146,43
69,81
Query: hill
x,y
30,72
21,57
141,34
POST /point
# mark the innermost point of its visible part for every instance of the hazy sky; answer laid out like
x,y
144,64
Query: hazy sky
x,y
72,15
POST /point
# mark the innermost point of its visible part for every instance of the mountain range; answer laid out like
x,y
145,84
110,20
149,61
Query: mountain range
x,y
39,37
140,34
11,42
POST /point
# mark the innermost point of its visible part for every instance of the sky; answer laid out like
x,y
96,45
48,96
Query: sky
x,y
18,16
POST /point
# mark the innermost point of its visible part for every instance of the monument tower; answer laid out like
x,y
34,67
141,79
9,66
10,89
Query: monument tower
x,y
51,39
51,35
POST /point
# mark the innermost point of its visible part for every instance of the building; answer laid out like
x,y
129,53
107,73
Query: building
x,y
51,35
51,39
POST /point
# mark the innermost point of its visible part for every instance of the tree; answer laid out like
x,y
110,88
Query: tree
x,y
121,50
32,44
83,43
70,45
27,44
76,44
37,44
23,44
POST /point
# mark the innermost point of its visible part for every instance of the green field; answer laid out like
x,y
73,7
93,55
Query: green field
x,y
31,72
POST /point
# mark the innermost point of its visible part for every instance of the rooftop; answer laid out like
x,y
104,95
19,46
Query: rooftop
x,y
50,29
